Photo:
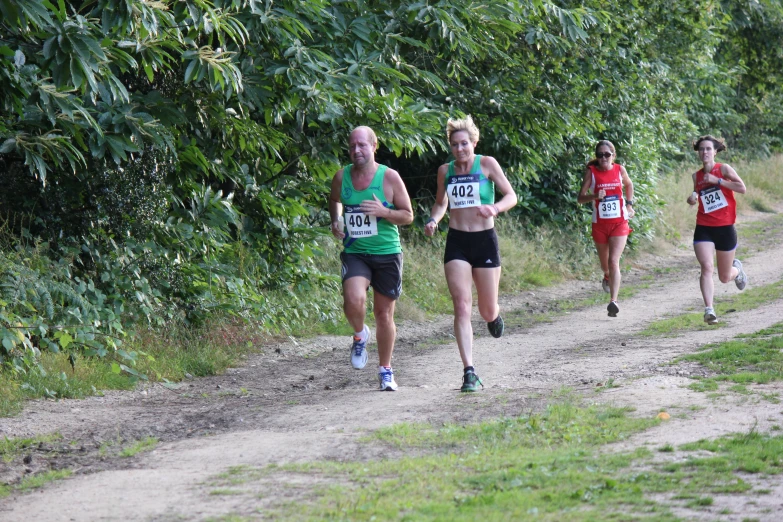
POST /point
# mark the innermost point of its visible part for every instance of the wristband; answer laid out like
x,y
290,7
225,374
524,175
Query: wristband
x,y
497,210
719,180
430,220
629,202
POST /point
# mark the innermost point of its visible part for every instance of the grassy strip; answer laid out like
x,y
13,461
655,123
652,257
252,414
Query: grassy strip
x,y
140,446
12,448
757,360
169,355
34,482
699,470
544,466
504,469
759,235
747,300
775,329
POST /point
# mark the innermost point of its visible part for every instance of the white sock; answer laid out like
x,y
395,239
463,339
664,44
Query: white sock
x,y
362,334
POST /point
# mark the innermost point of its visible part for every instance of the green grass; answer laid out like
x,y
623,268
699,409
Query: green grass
x,y
230,518
147,444
551,466
751,452
539,463
740,362
12,448
775,329
34,482
748,300
161,355
236,475
59,380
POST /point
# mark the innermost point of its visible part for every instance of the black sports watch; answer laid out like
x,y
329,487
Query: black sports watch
x,y
629,202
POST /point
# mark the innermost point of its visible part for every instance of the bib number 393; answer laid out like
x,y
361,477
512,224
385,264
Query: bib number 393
x,y
712,199
463,191
609,208
360,224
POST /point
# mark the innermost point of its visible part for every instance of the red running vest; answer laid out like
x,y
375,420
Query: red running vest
x,y
717,207
612,208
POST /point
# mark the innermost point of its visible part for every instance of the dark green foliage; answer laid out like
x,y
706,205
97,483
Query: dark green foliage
x,y
173,158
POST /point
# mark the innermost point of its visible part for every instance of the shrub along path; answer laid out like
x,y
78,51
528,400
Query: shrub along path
x,y
302,402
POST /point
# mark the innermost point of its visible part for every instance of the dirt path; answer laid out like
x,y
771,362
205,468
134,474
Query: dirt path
x,y
306,403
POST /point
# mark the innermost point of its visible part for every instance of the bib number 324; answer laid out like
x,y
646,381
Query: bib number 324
x,y
712,199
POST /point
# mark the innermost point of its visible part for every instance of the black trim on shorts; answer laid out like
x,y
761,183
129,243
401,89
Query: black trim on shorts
x,y
480,249
384,271
724,238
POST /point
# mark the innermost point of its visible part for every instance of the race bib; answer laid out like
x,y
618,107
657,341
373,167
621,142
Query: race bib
x,y
463,191
609,208
712,199
360,224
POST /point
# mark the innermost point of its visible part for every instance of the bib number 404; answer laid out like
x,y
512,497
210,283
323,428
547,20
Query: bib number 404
x,y
358,221
360,224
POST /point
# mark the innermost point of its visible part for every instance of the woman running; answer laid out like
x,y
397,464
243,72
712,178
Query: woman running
x,y
714,186
606,182
467,187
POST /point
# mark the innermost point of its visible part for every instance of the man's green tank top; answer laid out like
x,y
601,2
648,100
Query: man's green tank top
x,y
469,190
367,234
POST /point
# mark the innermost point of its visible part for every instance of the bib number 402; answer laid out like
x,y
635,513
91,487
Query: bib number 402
x,y
462,191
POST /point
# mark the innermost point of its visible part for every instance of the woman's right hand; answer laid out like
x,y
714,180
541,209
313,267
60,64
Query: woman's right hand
x,y
693,198
601,194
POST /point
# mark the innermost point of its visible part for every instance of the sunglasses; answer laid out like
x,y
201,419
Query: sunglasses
x,y
603,155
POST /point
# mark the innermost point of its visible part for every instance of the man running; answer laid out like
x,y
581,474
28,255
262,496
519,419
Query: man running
x,y
375,201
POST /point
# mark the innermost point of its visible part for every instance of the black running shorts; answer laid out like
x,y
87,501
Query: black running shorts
x,y
383,271
724,238
480,249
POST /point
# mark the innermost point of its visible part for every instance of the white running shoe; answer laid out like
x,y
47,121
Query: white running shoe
x,y
359,350
742,278
709,315
386,378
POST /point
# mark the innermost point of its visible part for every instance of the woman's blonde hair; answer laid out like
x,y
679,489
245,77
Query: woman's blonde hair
x,y
464,124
